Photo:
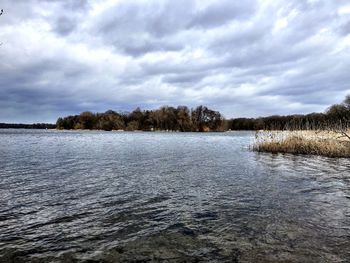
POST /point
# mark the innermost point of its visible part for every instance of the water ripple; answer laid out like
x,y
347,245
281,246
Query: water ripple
x,y
116,197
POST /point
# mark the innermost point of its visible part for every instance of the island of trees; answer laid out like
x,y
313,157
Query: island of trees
x,y
201,119
166,118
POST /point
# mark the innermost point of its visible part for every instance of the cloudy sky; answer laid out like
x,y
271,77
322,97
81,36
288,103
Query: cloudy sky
x,y
244,58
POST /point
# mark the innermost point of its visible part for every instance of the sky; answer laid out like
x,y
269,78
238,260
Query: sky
x,y
244,58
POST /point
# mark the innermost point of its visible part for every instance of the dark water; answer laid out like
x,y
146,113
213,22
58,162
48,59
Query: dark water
x,y
168,197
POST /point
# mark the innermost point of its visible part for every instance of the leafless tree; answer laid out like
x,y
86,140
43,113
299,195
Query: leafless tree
x,y
342,130
1,12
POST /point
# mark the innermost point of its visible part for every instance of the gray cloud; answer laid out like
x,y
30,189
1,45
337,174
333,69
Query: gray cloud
x,y
184,78
250,58
137,29
345,28
64,25
219,13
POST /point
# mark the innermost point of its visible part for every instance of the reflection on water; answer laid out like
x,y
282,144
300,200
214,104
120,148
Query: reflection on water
x,y
172,197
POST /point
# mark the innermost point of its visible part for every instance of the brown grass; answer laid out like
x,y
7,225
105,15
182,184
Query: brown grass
x,y
301,142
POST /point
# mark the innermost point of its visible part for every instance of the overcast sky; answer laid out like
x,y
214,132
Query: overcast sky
x,y
244,58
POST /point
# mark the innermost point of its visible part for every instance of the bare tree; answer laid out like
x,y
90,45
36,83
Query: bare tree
x,y
342,130
1,12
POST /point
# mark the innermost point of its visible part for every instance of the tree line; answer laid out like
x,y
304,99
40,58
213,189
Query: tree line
x,y
27,126
199,119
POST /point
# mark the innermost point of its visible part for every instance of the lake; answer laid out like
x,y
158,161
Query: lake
x,y
91,196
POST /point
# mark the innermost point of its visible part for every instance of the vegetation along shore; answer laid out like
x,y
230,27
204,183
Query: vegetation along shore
x,y
331,138
325,143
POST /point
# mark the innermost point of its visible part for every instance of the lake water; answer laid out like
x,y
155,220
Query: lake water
x,y
170,197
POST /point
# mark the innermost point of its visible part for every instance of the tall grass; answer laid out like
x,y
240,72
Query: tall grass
x,y
302,142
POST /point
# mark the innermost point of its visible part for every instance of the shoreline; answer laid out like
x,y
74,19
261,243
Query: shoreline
x,y
321,143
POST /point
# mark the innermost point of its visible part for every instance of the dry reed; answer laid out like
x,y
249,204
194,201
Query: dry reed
x,y
302,142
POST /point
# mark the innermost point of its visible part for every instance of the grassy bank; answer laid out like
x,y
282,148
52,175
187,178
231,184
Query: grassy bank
x,y
329,144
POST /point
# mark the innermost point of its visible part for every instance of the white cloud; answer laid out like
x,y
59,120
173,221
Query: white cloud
x,y
248,58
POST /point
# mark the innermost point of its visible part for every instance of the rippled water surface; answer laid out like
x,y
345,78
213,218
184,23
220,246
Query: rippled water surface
x,y
170,197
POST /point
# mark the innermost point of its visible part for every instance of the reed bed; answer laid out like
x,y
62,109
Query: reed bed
x,y
328,144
